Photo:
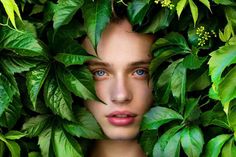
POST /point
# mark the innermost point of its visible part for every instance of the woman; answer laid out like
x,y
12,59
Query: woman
x,y
122,82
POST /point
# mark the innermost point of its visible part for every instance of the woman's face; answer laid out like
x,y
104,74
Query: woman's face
x,y
121,80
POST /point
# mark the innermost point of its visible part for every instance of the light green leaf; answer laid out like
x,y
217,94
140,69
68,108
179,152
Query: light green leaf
x,y
163,141
65,11
158,116
96,22
58,98
45,143
14,148
180,7
11,8
206,3
220,59
78,81
232,115
65,145
194,11
2,148
11,114
35,125
6,93
229,149
34,154
35,80
14,135
17,65
72,59
21,43
192,141
86,126
214,146
137,10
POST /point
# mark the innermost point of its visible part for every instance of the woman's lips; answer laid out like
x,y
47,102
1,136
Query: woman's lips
x,y
121,118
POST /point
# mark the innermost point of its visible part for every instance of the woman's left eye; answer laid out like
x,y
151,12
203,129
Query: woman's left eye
x,y
140,72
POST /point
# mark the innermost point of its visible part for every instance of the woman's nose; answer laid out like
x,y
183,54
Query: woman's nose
x,y
120,91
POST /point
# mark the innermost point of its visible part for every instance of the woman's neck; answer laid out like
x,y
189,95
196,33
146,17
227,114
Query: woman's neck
x,y
117,148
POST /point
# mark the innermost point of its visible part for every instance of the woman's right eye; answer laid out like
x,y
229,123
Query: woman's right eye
x,y
100,73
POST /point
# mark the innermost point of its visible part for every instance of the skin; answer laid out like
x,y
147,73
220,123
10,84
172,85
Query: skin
x,y
122,82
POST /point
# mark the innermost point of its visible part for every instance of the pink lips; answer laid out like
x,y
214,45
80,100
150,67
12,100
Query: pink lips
x,y
121,118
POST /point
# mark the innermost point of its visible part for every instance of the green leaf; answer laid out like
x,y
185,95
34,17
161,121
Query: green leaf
x,y
21,43
11,8
180,7
192,141
35,80
86,126
11,114
215,116
14,135
224,2
232,115
227,92
206,3
2,148
65,145
194,11
6,93
173,146
137,10
160,21
229,149
160,146
45,143
17,65
158,116
35,125
14,148
58,98
227,33
178,84
96,22
72,59
34,154
214,146
220,59
191,109
78,81
147,141
65,11
193,62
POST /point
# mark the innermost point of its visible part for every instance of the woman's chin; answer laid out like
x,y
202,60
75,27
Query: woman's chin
x,y
122,134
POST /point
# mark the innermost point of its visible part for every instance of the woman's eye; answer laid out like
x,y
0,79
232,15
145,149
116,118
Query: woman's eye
x,y
140,72
99,73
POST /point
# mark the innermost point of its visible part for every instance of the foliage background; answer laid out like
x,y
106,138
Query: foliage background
x,y
43,79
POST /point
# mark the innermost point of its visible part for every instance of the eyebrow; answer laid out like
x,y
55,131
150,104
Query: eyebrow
x,y
132,64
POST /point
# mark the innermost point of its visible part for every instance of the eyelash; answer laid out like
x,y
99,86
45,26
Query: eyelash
x,y
144,74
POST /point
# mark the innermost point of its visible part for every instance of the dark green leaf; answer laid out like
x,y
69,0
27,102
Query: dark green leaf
x,y
34,154
96,16
224,2
58,98
160,146
192,141
191,109
65,145
17,65
232,115
72,59
214,146
193,62
227,91
21,43
35,125
64,12
6,93
35,80
86,126
137,10
11,114
2,148
78,81
148,140
158,116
